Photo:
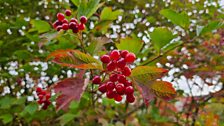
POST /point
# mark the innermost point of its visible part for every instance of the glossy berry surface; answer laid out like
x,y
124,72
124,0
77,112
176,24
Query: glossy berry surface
x,y
110,94
68,12
130,57
113,77
82,26
124,53
105,58
65,26
130,98
121,63
117,97
110,86
111,66
96,80
129,90
126,71
83,19
115,55
60,16
102,88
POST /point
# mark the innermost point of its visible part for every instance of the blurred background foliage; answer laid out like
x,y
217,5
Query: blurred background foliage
x,y
185,37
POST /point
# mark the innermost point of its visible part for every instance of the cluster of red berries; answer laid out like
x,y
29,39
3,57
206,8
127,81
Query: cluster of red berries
x,y
43,97
117,67
73,24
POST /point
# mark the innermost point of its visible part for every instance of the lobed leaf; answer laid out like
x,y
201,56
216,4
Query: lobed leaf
x,y
108,14
69,89
74,59
40,26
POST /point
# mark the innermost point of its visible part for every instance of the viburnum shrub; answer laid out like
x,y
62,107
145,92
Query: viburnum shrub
x,y
43,97
117,69
65,24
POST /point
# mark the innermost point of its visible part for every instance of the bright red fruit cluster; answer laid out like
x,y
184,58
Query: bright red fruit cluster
x,y
117,67
43,97
63,24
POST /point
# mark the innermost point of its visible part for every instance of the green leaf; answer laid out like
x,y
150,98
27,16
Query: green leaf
x,y
66,118
40,26
171,46
23,54
211,26
132,44
97,44
147,74
76,2
161,37
180,19
108,14
31,108
6,102
74,59
6,118
88,8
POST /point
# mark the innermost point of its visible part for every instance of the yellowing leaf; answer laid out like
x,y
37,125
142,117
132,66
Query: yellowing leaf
x,y
74,59
146,74
163,89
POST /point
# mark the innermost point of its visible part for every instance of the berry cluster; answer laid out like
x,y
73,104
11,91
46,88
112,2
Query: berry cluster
x,y
73,24
43,97
117,67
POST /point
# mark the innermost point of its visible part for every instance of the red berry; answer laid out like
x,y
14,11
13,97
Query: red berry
x,y
75,30
83,19
115,55
102,88
43,93
68,12
130,98
48,95
65,21
121,63
38,89
74,20
130,57
110,94
96,80
72,25
110,86
59,28
113,77
105,58
120,88
47,102
45,107
121,78
56,23
128,83
129,90
60,16
111,66
65,26
124,53
40,102
117,97
126,71
82,27
40,97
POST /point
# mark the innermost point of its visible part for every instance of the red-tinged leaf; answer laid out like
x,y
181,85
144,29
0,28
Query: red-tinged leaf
x,y
163,89
146,92
74,59
69,89
146,74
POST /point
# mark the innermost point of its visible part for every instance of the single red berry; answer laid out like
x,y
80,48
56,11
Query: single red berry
x,y
96,80
38,89
102,88
113,77
115,55
121,63
40,102
126,71
82,27
72,25
124,53
129,90
105,58
128,83
120,88
68,12
121,78
59,28
83,19
110,86
130,98
111,66
74,20
48,95
40,97
60,16
110,94
65,26
65,21
56,23
117,97
75,30
130,57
